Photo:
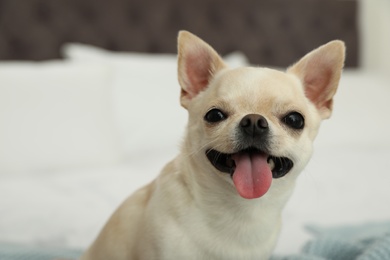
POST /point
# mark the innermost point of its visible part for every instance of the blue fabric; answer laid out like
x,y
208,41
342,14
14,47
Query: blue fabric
x,y
15,252
364,242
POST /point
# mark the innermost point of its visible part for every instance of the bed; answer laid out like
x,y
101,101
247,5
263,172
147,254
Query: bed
x,y
75,81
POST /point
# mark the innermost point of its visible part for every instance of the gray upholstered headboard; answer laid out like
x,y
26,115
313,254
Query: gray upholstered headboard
x,y
269,32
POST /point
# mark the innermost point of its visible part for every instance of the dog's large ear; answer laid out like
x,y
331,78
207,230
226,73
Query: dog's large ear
x,y
319,72
197,64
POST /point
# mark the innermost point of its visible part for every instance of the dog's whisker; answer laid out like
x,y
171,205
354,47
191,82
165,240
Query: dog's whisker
x,y
214,143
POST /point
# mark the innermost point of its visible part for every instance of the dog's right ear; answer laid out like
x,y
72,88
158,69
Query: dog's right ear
x,y
197,64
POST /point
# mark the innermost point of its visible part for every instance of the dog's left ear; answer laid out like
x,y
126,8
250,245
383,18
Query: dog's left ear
x,y
197,65
319,72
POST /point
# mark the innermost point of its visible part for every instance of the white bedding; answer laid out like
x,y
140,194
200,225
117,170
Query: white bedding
x,y
346,181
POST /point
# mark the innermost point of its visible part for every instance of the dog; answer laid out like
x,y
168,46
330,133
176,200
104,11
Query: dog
x,y
250,133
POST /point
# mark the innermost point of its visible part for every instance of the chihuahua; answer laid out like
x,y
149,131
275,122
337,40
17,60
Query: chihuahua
x,y
249,135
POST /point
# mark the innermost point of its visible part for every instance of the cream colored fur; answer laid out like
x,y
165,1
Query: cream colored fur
x,y
192,210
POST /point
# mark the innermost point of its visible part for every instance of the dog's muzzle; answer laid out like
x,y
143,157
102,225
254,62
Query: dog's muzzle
x,y
253,132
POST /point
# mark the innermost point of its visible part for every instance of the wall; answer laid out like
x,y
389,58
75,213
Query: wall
x,y
375,35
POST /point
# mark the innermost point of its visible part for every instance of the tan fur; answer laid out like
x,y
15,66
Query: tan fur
x,y
192,210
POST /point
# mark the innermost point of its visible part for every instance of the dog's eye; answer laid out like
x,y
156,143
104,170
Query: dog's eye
x,y
294,120
215,115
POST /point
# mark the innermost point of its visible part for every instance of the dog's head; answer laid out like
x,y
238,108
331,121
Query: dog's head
x,y
252,125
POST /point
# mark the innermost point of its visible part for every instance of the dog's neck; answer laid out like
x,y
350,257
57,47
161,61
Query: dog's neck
x,y
233,221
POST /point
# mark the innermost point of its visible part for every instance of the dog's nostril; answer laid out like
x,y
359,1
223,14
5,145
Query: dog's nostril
x,y
262,122
246,122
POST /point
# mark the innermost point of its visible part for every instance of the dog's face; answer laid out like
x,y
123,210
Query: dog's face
x,y
253,125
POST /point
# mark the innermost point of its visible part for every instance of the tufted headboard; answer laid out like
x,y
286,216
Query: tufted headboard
x,y
269,32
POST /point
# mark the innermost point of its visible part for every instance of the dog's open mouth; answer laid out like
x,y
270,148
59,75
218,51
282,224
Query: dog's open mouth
x,y
251,169
279,166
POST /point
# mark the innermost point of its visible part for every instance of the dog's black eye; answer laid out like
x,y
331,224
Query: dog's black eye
x,y
294,120
215,115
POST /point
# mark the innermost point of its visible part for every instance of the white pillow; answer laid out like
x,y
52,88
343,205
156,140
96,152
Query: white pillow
x,y
54,115
146,95
360,114
84,52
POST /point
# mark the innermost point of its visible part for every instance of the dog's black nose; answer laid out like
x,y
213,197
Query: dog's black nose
x,y
254,125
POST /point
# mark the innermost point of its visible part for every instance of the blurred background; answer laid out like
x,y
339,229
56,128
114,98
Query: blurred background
x,y
268,32
89,107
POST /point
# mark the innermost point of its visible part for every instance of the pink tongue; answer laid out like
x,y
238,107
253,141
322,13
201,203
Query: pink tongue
x,y
252,176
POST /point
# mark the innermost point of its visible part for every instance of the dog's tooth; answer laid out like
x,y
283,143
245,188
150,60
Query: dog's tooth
x,y
271,164
229,161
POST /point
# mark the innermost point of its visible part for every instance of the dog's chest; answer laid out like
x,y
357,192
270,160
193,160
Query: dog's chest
x,y
221,235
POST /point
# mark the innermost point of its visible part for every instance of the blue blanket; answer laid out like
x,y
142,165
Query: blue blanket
x,y
16,252
364,242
